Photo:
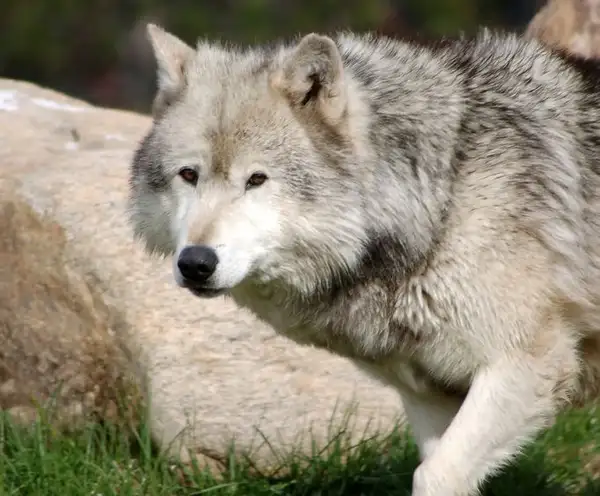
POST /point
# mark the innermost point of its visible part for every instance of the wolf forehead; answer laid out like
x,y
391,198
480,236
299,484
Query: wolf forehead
x,y
201,136
177,142
218,106
220,114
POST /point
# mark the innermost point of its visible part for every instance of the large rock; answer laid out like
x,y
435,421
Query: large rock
x,y
60,341
569,24
211,373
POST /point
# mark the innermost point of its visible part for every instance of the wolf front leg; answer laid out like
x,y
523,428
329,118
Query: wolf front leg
x,y
429,415
508,403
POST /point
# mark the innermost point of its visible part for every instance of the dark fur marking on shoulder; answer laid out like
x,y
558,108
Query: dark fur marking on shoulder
x,y
386,256
384,259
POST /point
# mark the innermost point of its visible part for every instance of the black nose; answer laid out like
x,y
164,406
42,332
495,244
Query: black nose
x,y
197,263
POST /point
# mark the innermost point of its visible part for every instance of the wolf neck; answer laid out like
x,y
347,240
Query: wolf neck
x,y
411,113
353,313
415,101
404,187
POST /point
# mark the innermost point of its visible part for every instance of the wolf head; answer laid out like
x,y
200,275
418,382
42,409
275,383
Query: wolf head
x,y
250,152
257,164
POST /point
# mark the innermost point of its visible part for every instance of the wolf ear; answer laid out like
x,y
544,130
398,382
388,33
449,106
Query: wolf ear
x,y
313,75
172,55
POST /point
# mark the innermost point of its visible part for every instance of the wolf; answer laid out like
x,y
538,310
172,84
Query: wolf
x,y
430,211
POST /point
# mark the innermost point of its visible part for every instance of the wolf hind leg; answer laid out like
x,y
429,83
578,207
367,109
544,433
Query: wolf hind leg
x,y
508,403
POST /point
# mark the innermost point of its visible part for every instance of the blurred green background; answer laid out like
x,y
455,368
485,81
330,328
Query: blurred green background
x,y
96,49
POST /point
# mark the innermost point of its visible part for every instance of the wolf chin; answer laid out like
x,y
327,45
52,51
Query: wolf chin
x,y
431,212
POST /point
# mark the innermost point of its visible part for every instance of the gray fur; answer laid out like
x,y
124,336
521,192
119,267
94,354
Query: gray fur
x,y
434,217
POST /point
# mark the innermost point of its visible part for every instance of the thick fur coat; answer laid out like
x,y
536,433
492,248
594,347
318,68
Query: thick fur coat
x,y
431,212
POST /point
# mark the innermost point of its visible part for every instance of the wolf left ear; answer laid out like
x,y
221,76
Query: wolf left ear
x,y
313,75
172,56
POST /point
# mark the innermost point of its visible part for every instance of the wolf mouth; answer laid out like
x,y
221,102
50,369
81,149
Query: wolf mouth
x,y
202,292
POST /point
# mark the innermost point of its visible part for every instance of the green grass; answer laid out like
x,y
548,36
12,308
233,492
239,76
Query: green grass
x,y
100,460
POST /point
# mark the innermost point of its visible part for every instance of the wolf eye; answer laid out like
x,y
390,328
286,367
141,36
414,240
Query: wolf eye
x,y
189,175
256,179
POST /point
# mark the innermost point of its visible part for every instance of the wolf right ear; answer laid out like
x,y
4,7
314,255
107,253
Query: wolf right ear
x,y
172,56
313,75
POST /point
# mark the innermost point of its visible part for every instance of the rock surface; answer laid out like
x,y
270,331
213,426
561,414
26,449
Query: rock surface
x,y
569,24
60,341
209,371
